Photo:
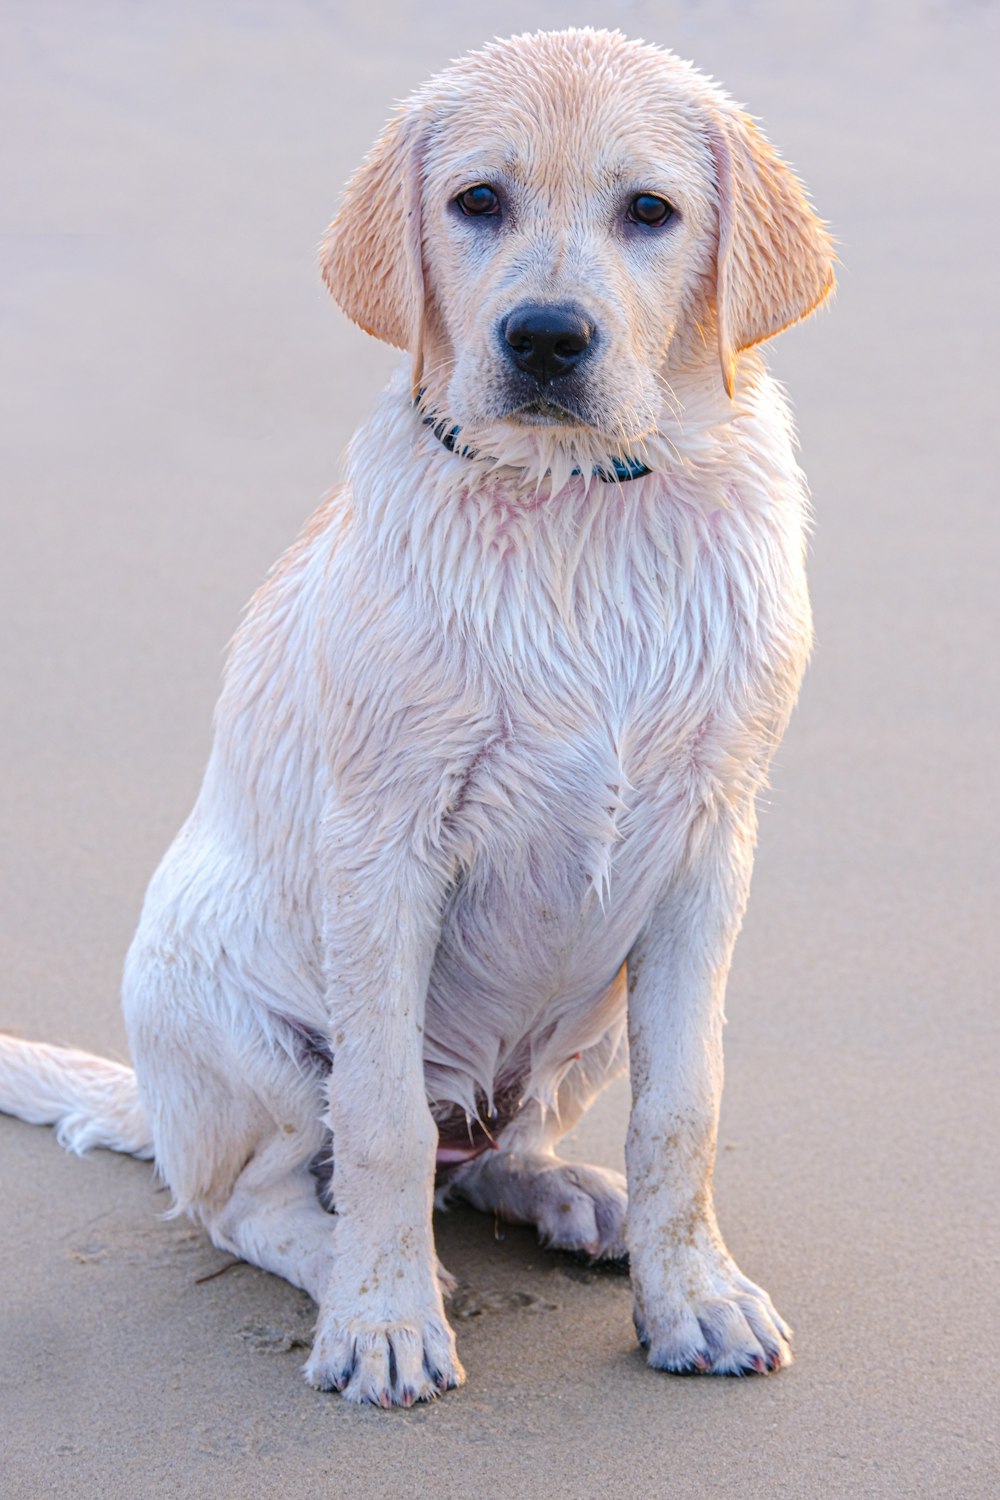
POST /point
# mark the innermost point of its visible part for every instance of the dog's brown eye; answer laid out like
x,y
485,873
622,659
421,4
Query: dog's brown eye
x,y
646,208
479,200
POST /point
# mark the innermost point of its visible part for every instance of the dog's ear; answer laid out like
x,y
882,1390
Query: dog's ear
x,y
775,259
371,256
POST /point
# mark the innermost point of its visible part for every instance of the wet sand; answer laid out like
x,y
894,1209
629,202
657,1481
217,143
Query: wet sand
x,y
177,397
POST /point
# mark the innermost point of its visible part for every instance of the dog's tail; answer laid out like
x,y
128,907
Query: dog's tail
x,y
90,1101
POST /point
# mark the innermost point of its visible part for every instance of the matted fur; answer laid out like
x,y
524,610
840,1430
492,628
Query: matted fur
x,y
481,794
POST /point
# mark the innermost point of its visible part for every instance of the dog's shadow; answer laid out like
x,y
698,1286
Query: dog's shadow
x,y
502,1268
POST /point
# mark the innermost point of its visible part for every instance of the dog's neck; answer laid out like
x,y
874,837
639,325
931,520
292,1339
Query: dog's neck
x,y
617,470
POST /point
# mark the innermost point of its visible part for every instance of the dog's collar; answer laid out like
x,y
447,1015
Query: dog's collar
x,y
622,469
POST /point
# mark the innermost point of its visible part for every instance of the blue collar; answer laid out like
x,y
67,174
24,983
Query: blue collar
x,y
622,469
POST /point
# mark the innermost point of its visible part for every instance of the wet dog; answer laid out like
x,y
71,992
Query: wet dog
x,y
477,828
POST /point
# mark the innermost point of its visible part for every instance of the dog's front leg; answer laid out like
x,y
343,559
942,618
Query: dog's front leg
x,y
694,1308
382,1335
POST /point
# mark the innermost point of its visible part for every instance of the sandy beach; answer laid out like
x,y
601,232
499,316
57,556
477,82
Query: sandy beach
x,y
177,394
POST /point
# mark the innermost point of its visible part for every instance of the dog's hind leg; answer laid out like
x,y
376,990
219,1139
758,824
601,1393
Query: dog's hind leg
x,y
235,1111
273,1219
573,1207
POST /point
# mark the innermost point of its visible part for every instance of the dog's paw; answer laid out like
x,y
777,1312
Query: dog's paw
x,y
713,1321
573,1207
582,1209
385,1364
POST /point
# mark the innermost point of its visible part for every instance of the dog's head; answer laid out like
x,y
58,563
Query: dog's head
x,y
560,225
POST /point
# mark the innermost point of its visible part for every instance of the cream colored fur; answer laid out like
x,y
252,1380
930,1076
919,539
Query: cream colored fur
x,y
481,795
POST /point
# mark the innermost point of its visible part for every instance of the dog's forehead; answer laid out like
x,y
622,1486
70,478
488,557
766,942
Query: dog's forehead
x,y
588,108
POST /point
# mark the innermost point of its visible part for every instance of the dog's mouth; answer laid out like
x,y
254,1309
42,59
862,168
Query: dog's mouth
x,y
543,413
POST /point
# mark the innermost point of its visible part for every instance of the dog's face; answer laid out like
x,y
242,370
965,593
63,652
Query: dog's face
x,y
561,224
567,229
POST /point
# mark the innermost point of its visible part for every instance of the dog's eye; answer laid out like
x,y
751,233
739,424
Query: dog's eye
x,y
646,208
478,201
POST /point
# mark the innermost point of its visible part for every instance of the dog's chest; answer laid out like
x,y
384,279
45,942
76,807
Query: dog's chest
x,y
608,738
554,824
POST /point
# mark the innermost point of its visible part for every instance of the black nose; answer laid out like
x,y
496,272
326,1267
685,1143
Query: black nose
x,y
546,340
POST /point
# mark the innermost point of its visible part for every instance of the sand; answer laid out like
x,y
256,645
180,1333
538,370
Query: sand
x,y
177,395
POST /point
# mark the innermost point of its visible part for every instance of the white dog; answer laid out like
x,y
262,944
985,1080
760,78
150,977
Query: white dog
x,y
481,796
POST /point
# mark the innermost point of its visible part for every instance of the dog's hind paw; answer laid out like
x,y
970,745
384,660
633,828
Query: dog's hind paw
x,y
573,1207
385,1364
582,1209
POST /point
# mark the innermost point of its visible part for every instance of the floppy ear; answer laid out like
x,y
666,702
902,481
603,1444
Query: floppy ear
x,y
775,258
371,254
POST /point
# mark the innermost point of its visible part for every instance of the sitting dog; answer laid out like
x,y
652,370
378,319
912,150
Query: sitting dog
x,y
477,828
